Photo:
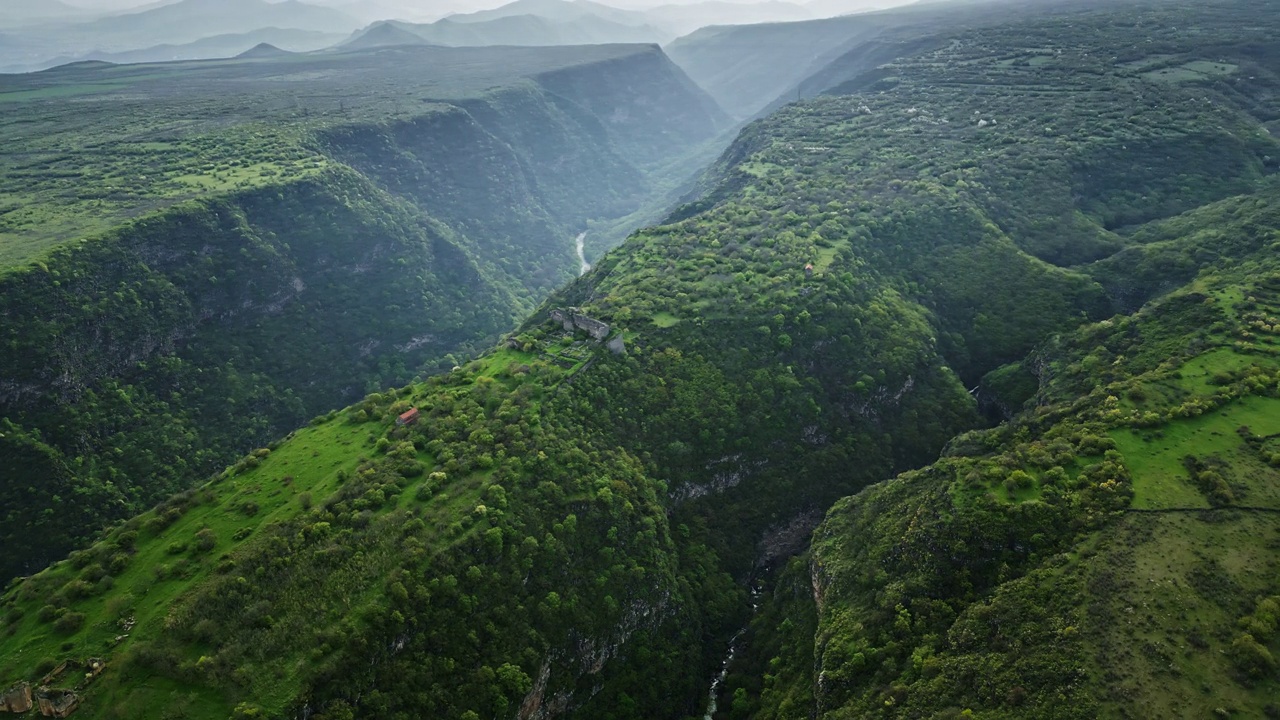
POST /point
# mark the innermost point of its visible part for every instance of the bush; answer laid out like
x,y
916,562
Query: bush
x,y
247,711
1018,480
1251,658
117,562
69,623
205,540
49,613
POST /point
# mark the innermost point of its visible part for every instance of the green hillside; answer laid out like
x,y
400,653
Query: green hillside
x,y
1109,553
205,255
752,69
1066,222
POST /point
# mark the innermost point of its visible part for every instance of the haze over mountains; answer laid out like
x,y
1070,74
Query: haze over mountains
x,y
37,34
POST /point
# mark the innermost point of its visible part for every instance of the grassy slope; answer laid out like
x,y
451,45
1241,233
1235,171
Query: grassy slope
x,y
165,561
158,567
244,234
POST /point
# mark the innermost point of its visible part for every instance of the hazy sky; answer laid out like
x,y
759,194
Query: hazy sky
x,y
429,6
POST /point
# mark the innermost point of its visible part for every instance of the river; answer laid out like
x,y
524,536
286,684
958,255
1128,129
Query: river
x,y
582,255
713,699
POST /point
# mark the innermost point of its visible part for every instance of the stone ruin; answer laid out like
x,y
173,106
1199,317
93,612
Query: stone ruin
x,y
51,702
573,319
17,699
56,702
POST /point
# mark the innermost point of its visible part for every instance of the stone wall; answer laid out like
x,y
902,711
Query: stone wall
x,y
17,699
57,703
572,319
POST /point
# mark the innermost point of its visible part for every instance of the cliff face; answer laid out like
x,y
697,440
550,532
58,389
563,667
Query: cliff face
x,y
645,102
150,357
144,359
572,145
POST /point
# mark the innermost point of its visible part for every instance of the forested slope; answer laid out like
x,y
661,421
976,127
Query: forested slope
x,y
570,526
1108,552
1111,552
290,256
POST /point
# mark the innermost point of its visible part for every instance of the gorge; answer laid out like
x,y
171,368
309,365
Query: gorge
x,y
1070,206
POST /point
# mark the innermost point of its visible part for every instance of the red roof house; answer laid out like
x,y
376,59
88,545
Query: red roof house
x,y
408,416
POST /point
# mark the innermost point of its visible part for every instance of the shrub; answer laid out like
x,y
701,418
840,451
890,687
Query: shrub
x,y
1251,658
127,539
1018,480
206,539
117,562
69,623
247,711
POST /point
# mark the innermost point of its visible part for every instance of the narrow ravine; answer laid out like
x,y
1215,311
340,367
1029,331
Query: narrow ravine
x,y
713,701
582,256
718,680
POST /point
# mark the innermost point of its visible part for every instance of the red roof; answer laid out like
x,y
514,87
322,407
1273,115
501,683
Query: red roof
x,y
408,416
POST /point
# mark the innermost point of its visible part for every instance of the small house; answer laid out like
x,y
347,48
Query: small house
x,y
408,416
808,270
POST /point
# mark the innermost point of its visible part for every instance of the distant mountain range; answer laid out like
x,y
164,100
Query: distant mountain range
x,y
565,22
218,46
177,30
44,33
526,30
191,20
685,18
